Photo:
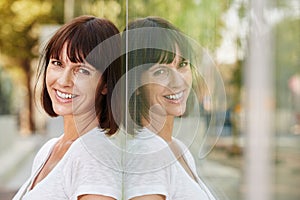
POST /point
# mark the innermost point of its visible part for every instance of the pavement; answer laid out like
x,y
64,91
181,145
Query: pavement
x,y
222,171
225,170
16,164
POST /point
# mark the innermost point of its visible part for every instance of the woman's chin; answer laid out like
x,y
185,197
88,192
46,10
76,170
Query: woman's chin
x,y
62,112
177,112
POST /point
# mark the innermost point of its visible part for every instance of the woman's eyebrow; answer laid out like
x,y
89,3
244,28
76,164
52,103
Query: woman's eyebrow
x,y
182,59
155,67
86,65
54,57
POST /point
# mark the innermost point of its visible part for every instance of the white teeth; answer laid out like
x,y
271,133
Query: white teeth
x,y
175,96
64,95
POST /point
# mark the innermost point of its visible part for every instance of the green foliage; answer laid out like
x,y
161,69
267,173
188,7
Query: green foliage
x,y
19,26
107,9
19,34
287,59
5,93
201,19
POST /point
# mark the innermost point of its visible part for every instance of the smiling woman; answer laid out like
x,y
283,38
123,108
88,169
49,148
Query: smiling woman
x,y
79,68
71,86
168,85
161,73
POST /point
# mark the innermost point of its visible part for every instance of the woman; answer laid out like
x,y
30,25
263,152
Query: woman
x,y
79,68
160,75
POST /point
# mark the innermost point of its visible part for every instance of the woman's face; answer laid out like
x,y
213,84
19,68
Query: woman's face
x,y
71,86
166,87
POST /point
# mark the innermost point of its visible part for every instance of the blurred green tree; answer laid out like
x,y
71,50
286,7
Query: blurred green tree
x,y
19,36
5,93
287,59
200,19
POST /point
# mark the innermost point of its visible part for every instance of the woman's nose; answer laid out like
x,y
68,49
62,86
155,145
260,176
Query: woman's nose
x,y
175,79
66,78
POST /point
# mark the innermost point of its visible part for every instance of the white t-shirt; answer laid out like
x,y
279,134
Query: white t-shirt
x,y
90,166
152,168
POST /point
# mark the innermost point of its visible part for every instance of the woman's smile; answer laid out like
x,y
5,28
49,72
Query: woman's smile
x,y
175,97
64,97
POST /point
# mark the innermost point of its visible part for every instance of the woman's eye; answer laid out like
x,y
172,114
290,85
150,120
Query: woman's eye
x,y
84,71
56,63
184,64
160,72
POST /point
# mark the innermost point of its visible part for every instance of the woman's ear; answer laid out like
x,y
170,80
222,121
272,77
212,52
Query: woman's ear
x,y
104,90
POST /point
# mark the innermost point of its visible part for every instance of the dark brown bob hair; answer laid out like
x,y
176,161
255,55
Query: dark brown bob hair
x,y
96,41
149,41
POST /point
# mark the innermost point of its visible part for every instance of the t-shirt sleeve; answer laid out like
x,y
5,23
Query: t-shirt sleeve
x,y
146,184
87,174
148,166
92,178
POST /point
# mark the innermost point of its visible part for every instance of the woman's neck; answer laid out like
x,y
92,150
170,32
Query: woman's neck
x,y
162,126
167,129
74,128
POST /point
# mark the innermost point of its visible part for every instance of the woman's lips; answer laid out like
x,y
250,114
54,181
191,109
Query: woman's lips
x,y
175,96
64,97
